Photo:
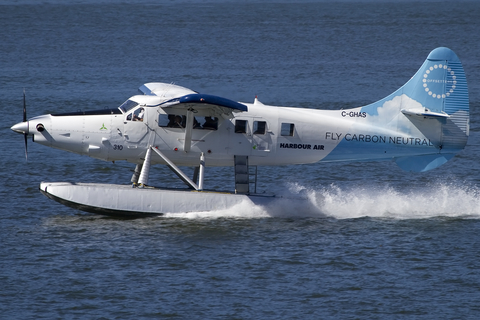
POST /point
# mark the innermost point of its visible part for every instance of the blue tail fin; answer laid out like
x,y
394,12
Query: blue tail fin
x,y
435,104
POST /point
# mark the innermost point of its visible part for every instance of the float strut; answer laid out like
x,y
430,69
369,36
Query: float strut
x,y
201,173
136,174
143,180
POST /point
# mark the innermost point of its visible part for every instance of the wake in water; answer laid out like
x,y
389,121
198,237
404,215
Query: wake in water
x,y
432,201
436,200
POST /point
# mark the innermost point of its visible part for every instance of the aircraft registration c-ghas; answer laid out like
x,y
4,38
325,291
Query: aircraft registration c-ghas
x,y
420,126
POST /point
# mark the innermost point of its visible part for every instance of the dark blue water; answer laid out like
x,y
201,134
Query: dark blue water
x,y
376,242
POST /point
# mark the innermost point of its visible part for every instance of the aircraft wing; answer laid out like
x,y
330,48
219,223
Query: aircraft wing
x,y
165,90
183,98
205,101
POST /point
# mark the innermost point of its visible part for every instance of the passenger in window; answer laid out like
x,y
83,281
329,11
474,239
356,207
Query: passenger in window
x,y
210,123
171,120
196,124
177,122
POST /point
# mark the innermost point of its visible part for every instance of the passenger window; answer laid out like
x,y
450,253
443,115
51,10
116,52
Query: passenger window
x,y
259,127
171,120
178,121
208,123
287,129
163,120
240,126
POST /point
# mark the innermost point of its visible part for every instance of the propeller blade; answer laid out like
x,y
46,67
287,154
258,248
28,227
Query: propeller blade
x,y
24,107
25,119
26,152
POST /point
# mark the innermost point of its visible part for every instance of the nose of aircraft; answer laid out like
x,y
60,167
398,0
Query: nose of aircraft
x,y
21,127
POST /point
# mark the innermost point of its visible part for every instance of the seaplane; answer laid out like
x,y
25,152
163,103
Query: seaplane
x,y
420,126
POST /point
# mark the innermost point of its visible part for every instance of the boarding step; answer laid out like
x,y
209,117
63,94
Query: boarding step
x,y
244,174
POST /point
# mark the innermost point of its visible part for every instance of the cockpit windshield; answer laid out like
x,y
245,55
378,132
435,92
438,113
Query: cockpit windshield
x,y
127,105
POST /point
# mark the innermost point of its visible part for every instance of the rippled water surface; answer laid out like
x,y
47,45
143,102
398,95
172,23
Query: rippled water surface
x,y
373,242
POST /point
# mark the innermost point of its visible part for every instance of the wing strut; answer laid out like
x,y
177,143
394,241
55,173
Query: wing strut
x,y
142,171
176,170
188,131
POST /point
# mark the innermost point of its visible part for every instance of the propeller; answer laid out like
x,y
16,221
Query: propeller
x,y
24,120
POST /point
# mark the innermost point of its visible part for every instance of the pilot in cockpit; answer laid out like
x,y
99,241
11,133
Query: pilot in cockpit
x,y
140,115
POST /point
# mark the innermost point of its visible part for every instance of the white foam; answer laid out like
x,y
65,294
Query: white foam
x,y
437,200
243,210
432,201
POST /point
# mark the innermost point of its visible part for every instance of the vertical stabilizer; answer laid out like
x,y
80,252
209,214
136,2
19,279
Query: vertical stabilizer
x,y
421,125
440,86
434,104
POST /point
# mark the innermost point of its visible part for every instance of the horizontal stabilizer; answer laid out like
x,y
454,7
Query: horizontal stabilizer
x,y
425,113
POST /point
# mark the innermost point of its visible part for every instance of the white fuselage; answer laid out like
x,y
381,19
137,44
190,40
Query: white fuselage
x,y
286,136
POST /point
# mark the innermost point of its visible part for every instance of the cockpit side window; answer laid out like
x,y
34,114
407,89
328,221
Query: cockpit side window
x,y
128,105
136,115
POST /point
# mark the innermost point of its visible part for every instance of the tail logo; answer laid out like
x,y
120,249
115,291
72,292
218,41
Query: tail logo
x,y
430,81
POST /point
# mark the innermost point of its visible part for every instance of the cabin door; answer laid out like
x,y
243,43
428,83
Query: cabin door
x,y
135,127
241,137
